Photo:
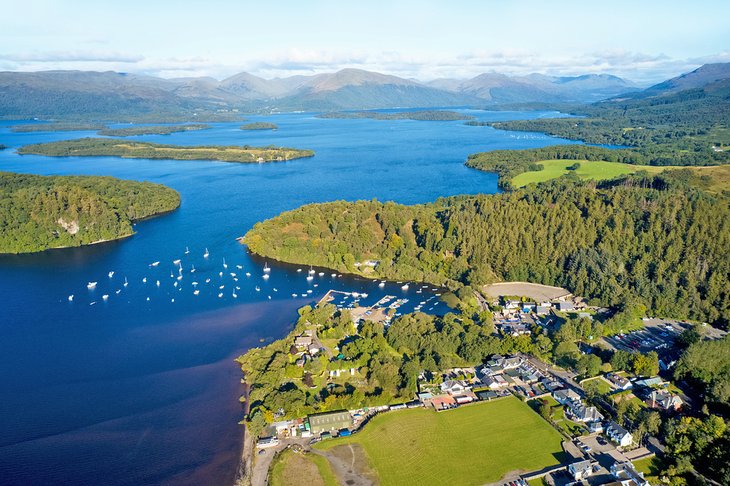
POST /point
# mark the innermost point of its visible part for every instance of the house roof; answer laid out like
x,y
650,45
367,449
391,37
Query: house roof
x,y
329,418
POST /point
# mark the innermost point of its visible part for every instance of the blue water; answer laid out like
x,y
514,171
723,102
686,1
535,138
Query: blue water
x,y
136,391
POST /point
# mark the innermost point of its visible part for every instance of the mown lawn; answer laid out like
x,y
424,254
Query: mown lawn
x,y
601,385
596,170
651,466
475,444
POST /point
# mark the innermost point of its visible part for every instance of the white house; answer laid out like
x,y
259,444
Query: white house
x,y
619,435
453,387
626,473
581,470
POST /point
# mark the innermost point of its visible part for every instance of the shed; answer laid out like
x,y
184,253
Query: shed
x,y
327,421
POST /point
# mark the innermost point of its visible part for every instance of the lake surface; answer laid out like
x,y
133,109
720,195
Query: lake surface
x,y
142,388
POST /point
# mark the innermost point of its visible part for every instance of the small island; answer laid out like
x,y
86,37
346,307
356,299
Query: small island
x,y
42,212
57,127
151,130
259,126
428,115
100,147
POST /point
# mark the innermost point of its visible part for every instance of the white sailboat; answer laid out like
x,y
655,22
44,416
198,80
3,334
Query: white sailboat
x,y
125,281
266,268
192,270
111,274
404,286
321,274
196,292
71,298
248,274
187,250
154,264
225,265
176,262
144,279
381,284
206,254
105,297
91,285
240,267
158,283
309,277
266,276
258,289
311,270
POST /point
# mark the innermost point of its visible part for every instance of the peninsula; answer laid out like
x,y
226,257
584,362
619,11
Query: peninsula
x,y
42,212
57,127
95,147
151,130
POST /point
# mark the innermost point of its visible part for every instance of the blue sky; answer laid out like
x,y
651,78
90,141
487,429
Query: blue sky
x,y
643,40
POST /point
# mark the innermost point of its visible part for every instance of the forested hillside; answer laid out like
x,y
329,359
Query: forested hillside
x,y
651,240
40,212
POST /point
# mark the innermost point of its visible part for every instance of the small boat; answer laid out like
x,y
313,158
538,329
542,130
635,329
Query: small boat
x,y
220,274
269,297
125,281
333,275
105,297
179,277
220,295
91,285
194,284
176,262
275,289
175,285
154,264
71,298
304,295
172,275
118,291
235,279
404,287
258,289
240,267
298,270
172,300
248,274
381,284
311,271
309,277
192,270
158,283
364,296
225,265
222,287
144,279
238,288
233,275
293,295
187,250
309,291
316,285
111,274
148,299
92,303
206,254
235,295
266,268
266,276
321,274
207,280
196,292
355,294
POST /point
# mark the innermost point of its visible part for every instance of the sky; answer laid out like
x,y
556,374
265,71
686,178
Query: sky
x,y
643,40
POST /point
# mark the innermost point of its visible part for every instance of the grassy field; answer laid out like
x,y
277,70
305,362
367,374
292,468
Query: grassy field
x,y
651,466
292,469
476,444
601,385
719,177
596,170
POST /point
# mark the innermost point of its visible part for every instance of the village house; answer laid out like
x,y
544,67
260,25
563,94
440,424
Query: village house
x,y
303,341
619,435
619,381
581,413
626,473
566,397
453,387
581,470
543,309
664,400
495,382
648,382
565,306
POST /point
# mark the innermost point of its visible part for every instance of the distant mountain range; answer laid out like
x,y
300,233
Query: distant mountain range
x,y
115,95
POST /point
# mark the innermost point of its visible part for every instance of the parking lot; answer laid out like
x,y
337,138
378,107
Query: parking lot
x,y
659,335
